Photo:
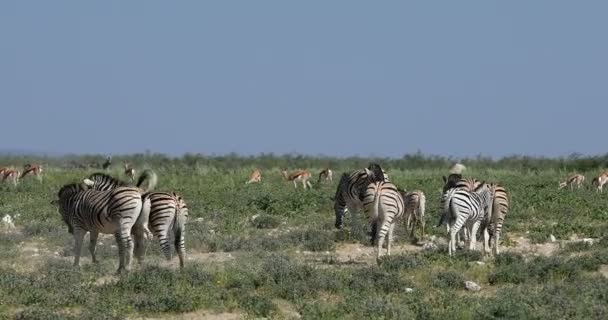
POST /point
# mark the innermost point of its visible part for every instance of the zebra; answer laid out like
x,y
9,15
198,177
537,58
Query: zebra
x,y
168,213
456,181
348,192
500,207
383,204
471,208
120,211
415,204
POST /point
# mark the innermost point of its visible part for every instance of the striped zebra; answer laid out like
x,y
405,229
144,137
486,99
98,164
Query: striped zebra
x,y
168,213
456,181
500,207
120,211
348,192
415,204
383,204
469,209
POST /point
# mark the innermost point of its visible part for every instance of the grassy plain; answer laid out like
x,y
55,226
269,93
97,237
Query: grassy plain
x,y
269,250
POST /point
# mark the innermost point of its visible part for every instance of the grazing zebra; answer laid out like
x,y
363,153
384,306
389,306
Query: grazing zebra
x,y
573,180
326,176
348,192
35,170
600,181
129,171
255,176
471,208
119,211
298,175
168,211
383,204
500,207
415,204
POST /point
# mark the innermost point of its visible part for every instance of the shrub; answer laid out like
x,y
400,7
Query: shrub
x,y
265,221
448,279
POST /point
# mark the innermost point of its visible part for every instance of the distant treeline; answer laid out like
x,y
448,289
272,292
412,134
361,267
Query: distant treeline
x,y
573,162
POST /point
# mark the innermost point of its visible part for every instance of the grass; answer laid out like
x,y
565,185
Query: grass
x,y
284,247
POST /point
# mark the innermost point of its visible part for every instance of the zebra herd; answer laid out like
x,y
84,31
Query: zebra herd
x,y
103,204
466,202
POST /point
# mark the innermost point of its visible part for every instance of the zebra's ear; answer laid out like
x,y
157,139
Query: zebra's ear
x,y
89,182
445,180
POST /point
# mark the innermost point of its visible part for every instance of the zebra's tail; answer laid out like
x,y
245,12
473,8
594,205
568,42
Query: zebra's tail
x,y
375,215
147,180
446,200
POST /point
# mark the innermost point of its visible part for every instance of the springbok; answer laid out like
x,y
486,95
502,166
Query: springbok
x,y
33,169
600,181
326,176
255,176
573,180
298,175
129,171
11,175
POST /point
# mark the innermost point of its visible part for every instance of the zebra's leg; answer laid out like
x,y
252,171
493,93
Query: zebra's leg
x,y
163,237
473,235
78,239
93,244
390,238
452,242
486,240
139,237
180,246
121,252
374,232
126,242
381,236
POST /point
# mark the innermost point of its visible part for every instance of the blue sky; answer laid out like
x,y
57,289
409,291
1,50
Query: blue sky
x,y
313,77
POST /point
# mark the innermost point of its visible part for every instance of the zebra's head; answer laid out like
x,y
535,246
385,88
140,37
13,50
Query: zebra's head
x,y
451,181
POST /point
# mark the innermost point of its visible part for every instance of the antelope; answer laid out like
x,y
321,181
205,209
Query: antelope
x,y
35,170
129,171
255,176
11,175
298,175
600,181
573,180
326,175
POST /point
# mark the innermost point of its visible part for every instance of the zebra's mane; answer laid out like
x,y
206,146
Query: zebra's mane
x,y
377,171
106,177
71,188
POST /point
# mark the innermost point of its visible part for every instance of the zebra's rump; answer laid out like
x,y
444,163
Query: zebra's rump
x,y
165,208
387,199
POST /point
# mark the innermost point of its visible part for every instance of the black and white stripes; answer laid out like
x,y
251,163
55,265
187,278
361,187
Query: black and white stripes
x,y
468,209
383,204
120,211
